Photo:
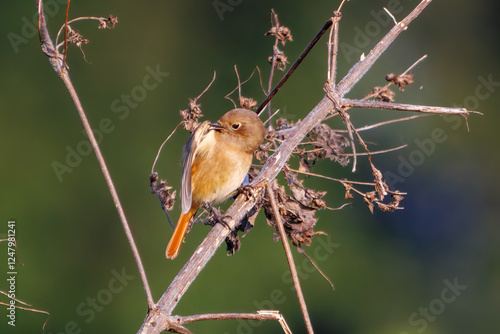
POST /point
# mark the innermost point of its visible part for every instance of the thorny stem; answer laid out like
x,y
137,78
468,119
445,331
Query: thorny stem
x,y
291,263
54,57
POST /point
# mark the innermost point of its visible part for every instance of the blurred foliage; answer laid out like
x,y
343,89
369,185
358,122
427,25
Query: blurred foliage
x,y
386,267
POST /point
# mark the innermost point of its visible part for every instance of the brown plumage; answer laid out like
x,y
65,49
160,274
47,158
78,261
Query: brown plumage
x,y
217,158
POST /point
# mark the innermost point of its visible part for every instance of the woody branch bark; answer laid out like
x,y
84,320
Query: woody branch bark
x,y
160,318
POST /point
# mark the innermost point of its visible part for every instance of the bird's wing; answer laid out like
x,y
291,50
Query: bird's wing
x,y
189,155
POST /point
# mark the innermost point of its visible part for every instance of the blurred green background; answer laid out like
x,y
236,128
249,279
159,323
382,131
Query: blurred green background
x,y
431,268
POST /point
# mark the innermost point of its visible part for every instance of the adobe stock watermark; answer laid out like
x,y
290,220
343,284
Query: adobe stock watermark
x,y
320,253
87,310
365,35
223,6
425,147
421,318
121,107
29,28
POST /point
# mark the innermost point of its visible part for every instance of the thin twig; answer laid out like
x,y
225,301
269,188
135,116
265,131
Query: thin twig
x,y
207,88
341,5
66,35
406,107
161,147
379,152
239,85
374,94
291,263
47,47
274,114
260,315
333,46
376,125
392,16
83,18
414,64
332,95
332,178
350,154
301,250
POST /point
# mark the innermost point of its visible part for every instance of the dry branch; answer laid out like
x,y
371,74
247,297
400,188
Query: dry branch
x,y
160,318
57,62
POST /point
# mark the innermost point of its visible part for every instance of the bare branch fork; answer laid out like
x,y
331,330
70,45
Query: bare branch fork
x,y
160,318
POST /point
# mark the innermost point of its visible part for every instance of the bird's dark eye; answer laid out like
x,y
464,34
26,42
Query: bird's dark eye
x,y
236,126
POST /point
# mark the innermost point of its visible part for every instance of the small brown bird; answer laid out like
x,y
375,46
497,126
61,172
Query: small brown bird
x,y
217,158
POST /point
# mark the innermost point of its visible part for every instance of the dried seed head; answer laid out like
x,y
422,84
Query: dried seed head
x,y
191,115
280,60
247,103
383,94
401,81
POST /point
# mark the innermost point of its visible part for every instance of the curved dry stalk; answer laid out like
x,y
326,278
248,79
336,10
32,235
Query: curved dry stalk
x,y
238,87
58,65
83,18
161,147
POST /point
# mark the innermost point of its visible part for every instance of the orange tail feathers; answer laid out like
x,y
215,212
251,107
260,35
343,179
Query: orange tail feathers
x,y
174,245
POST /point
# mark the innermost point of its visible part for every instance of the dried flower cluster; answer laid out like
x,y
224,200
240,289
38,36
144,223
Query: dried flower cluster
x,y
191,115
108,23
74,37
167,199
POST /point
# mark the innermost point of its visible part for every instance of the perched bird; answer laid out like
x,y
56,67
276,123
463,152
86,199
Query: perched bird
x,y
217,158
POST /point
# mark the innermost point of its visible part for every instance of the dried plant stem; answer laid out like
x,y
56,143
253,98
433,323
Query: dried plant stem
x,y
294,66
54,57
107,176
405,107
333,46
291,263
260,315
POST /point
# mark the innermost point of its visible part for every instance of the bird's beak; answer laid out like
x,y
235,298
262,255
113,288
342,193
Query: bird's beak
x,y
215,126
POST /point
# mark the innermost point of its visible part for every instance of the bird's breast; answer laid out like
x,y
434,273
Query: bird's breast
x,y
219,168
